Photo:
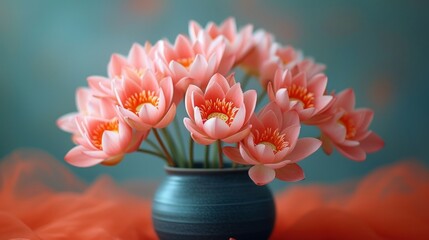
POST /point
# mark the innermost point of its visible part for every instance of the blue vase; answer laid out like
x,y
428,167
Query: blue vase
x,y
197,203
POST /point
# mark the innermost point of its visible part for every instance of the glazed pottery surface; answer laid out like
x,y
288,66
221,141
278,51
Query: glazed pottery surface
x,y
197,203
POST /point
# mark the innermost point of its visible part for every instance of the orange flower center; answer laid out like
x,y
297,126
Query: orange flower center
x,y
301,94
270,138
186,62
221,109
136,101
350,126
97,134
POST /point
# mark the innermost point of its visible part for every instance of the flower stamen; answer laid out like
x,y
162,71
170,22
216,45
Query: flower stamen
x,y
96,135
350,126
270,138
136,101
186,62
301,94
221,109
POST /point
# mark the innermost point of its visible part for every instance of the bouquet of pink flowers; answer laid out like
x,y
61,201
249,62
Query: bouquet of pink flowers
x,y
143,91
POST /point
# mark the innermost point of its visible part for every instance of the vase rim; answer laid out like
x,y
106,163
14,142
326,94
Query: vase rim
x,y
198,168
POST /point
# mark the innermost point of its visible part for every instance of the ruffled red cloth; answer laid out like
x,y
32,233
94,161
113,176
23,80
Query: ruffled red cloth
x,y
41,199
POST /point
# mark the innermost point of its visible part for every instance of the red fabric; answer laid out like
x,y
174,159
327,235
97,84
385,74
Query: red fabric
x,y
41,199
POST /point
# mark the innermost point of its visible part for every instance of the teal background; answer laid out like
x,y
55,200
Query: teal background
x,y
377,47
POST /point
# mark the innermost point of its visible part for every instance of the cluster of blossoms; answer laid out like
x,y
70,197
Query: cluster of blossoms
x,y
142,91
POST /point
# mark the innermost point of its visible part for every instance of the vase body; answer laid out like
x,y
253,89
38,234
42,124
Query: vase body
x,y
212,204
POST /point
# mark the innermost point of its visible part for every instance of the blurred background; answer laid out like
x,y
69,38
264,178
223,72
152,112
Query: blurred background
x,y
379,48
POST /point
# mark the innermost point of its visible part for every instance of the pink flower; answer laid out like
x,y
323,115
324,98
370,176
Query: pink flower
x,y
144,101
308,66
221,112
190,62
139,60
87,105
280,58
297,92
100,136
238,44
273,147
259,54
287,58
103,141
347,130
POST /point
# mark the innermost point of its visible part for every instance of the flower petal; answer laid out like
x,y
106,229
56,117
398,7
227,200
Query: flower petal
x,y
250,97
233,153
191,93
326,144
214,91
246,156
216,128
125,134
290,173
111,143
282,99
198,68
183,46
235,94
261,174
304,147
237,136
201,139
198,136
67,123
353,153
117,62
114,160
346,100
77,158
372,143
168,117
137,55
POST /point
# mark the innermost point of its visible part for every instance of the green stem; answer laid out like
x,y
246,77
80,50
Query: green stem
x,y
154,145
170,142
219,147
167,155
191,152
151,152
215,157
179,137
206,156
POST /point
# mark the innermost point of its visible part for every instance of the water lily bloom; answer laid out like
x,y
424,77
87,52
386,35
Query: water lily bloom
x,y
142,90
100,135
145,102
259,54
238,44
273,147
306,96
286,57
190,62
138,60
104,141
87,105
281,57
309,66
221,112
347,131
